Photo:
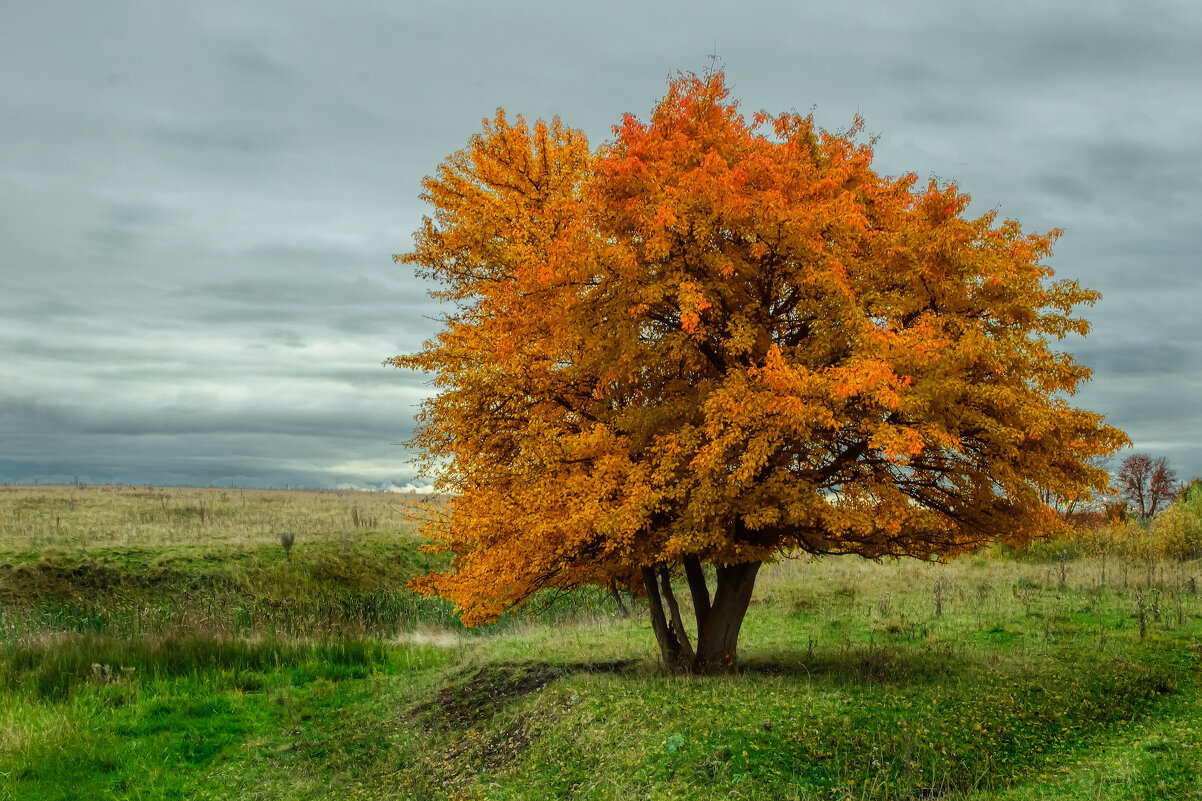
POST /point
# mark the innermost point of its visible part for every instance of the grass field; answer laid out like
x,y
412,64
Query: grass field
x,y
159,643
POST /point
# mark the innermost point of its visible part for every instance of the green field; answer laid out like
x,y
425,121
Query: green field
x,y
159,643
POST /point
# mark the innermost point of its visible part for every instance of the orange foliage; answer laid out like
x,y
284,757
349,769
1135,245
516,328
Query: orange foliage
x,y
727,339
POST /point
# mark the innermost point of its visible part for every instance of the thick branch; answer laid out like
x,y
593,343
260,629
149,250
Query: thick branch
x,y
669,646
698,589
682,637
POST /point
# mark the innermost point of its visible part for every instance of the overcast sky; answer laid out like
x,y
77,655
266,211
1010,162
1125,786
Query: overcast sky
x,y
199,201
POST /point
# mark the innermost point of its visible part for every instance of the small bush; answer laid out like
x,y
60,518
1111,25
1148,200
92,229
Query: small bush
x,y
1176,533
1119,538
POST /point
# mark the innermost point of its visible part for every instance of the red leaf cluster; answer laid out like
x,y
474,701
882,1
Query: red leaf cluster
x,y
1146,483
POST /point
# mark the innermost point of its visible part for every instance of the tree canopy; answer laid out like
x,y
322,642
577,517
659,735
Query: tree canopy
x,y
714,340
1146,483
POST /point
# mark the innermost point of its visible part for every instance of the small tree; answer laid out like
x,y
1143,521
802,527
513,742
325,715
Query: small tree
x,y
1146,484
713,341
1176,532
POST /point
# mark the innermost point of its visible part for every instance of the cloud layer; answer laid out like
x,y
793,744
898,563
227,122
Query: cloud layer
x,y
200,202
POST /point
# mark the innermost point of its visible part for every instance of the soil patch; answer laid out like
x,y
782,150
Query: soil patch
x,y
477,694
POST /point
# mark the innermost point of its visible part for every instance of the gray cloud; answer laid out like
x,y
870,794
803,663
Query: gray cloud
x,y
200,202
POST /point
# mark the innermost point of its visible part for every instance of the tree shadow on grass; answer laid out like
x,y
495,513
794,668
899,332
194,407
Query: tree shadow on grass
x,y
865,664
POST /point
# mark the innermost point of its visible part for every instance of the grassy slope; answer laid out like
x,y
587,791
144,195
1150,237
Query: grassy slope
x,y
855,688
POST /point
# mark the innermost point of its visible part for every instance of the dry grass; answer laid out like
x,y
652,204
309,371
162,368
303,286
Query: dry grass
x,y
34,518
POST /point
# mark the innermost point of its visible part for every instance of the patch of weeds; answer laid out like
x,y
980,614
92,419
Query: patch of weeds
x,y
715,765
54,670
999,635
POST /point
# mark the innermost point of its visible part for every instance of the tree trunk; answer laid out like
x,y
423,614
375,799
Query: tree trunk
x,y
695,573
718,621
682,636
616,594
718,633
669,646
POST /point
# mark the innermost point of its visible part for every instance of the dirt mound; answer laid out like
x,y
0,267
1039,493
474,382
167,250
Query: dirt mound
x,y
476,694
462,711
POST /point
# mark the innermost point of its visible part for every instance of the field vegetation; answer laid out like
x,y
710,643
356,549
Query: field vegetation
x,y
161,643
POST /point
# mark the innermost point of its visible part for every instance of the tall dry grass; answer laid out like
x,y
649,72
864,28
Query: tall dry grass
x,y
154,517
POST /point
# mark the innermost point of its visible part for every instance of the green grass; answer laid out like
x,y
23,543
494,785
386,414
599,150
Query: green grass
x,y
182,668
190,708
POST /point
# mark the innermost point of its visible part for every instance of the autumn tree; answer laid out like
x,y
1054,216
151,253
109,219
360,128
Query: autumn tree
x,y
1146,483
716,340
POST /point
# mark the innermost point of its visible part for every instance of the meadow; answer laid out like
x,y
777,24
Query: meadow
x,y
162,643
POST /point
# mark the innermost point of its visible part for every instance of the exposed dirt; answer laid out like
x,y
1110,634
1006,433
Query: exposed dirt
x,y
475,695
